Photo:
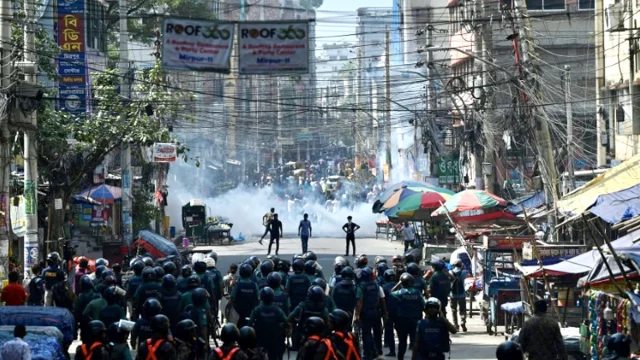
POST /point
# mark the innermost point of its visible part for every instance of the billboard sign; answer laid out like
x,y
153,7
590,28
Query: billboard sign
x,y
72,62
273,47
197,45
165,153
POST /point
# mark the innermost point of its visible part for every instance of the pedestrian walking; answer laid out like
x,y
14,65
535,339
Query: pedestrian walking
x,y
459,295
540,336
275,228
432,336
266,220
350,229
408,235
304,231
13,294
16,349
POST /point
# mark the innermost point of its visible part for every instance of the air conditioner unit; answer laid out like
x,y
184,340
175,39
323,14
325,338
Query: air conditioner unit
x,y
614,18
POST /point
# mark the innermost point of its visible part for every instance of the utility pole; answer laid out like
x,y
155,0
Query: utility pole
x,y
125,152
387,125
489,126
415,140
5,136
632,71
601,133
431,99
30,154
538,120
567,100
358,128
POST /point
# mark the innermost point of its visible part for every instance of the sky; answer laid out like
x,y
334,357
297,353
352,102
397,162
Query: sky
x,y
336,19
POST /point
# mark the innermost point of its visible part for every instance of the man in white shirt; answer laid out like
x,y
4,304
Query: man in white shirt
x,y
16,349
408,235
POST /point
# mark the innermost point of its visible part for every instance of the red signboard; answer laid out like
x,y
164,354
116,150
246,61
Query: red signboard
x,y
504,242
71,32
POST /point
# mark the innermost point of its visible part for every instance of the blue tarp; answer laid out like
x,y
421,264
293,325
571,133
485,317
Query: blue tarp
x,y
618,206
163,245
534,201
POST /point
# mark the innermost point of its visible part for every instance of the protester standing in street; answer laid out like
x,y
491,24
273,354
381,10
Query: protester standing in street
x,y
266,220
350,229
540,336
13,294
275,228
408,235
304,231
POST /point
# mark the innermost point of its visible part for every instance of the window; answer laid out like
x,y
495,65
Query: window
x,y
586,5
333,58
96,26
542,5
343,57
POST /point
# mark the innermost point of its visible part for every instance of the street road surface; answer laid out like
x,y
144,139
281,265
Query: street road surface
x,y
473,345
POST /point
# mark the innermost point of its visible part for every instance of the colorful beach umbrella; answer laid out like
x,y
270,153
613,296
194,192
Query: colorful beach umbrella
x,y
415,186
469,200
102,193
397,197
418,205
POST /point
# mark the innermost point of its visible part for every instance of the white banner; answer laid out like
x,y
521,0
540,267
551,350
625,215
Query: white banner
x,y
273,47
165,153
197,45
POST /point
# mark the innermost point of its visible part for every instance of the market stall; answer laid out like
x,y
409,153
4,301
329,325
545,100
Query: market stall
x,y
217,229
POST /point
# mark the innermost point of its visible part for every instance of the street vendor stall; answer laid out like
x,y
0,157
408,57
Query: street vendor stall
x,y
217,229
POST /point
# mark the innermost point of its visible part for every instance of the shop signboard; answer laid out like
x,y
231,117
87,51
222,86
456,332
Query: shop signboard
x,y
550,251
273,47
72,62
18,218
197,45
504,242
449,170
165,153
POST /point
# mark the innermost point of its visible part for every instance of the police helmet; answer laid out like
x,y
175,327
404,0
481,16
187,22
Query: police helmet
x,y
380,259
310,267
413,269
248,339
406,280
160,323
110,280
97,329
509,350
438,264
159,272
199,297
100,262
274,280
106,273
347,273
186,271
410,257
432,306
210,263
366,274
170,268
245,271
310,255
274,259
151,308
397,259
298,265
185,327
267,295
168,281
229,333
340,260
193,282
389,275
284,266
148,274
315,294
54,258
256,260
337,267
620,345
148,261
362,261
110,295
213,255
117,268
138,266
340,320
200,267
99,270
115,333
382,267
314,326
320,282
296,257
266,268
86,283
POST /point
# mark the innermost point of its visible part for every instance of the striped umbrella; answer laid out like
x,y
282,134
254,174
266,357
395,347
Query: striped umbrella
x,y
415,186
419,205
469,200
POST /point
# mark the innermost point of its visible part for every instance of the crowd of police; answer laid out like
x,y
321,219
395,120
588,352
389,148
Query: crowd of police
x,y
274,306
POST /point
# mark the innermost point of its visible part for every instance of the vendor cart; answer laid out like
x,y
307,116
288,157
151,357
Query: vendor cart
x,y
217,229
500,279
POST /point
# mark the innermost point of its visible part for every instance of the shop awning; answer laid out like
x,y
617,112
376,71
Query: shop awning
x,y
623,176
532,202
618,206
584,263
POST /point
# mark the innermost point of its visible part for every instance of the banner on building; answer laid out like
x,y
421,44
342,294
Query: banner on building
x,y
197,45
72,62
449,170
273,47
165,153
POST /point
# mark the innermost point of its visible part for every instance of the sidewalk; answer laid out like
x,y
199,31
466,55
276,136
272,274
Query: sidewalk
x,y
475,344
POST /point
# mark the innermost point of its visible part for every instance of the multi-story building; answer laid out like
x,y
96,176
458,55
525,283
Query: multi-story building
x,y
559,39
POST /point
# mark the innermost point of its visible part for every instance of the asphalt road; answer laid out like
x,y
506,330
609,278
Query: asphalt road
x,y
473,345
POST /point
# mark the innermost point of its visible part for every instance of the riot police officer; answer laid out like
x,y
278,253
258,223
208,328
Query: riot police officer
x,y
510,350
310,269
86,296
187,341
158,347
315,344
440,284
418,281
392,310
169,298
244,296
200,312
113,312
370,299
298,284
283,270
200,268
269,323
328,300
432,340
229,334
410,305
380,269
132,286
344,292
149,289
51,275
248,344
280,298
170,268
142,329
346,343
313,306
266,268
94,348
336,277
310,255
186,298
185,273
216,279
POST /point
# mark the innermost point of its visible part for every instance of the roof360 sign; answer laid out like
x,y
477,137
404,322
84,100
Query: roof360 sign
x,y
273,47
197,45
